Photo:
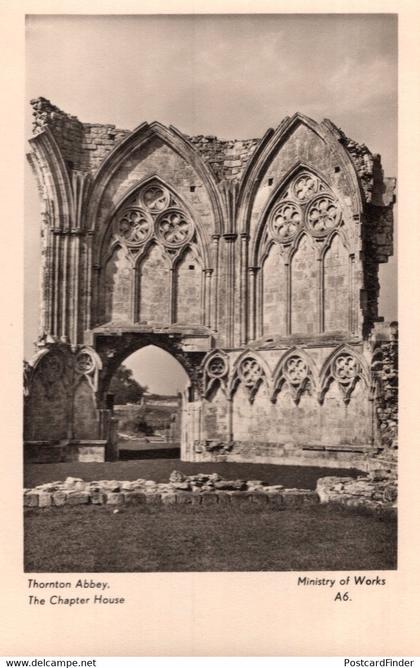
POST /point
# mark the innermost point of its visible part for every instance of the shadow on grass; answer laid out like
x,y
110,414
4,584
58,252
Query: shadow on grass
x,y
145,539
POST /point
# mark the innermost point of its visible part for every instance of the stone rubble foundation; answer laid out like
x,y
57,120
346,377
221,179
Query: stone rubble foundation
x,y
375,492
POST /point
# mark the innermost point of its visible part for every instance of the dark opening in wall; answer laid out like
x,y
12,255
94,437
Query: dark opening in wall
x,y
337,169
191,266
192,189
270,182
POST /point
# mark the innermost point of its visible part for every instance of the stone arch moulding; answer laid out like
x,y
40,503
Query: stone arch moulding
x,y
345,366
297,371
251,370
262,235
268,148
215,371
105,236
114,350
138,224
136,140
57,188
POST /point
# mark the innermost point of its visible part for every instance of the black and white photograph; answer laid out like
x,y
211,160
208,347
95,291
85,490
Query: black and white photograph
x,y
210,319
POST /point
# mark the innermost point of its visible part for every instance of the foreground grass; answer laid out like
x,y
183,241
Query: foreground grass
x,y
144,539
304,477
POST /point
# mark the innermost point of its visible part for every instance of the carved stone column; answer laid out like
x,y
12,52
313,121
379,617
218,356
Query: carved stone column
x,y
215,318
288,277
74,285
252,301
56,239
230,239
207,274
90,280
243,293
321,296
259,299
172,294
47,283
230,419
352,300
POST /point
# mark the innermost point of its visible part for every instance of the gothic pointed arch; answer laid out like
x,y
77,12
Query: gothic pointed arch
x,y
153,285
251,371
303,200
53,178
188,286
113,353
215,371
138,139
297,372
347,368
303,285
336,261
116,288
154,247
270,147
140,211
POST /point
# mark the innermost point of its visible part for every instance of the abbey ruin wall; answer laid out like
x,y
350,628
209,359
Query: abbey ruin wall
x,y
254,262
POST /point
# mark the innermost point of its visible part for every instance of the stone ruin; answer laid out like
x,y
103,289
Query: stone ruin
x,y
253,262
374,493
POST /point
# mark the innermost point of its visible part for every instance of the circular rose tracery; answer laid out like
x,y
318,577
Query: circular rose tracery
x,y
134,226
155,198
305,187
174,228
285,221
323,215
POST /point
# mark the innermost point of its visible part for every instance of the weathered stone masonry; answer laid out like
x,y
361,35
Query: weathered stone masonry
x,y
254,263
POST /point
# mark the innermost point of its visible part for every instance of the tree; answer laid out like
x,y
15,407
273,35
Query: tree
x,y
125,388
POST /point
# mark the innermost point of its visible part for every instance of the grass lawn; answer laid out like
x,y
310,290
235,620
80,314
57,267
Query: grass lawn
x,y
144,539
304,477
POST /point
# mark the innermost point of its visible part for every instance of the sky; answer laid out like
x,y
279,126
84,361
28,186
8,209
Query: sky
x,y
233,76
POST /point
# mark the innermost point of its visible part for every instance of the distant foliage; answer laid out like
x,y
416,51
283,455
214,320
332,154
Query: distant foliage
x,y
125,388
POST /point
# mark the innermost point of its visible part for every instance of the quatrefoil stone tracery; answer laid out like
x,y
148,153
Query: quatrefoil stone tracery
x,y
174,228
295,370
323,215
250,372
285,221
134,226
345,368
305,187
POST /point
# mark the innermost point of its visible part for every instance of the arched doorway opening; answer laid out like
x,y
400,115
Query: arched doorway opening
x,y
146,392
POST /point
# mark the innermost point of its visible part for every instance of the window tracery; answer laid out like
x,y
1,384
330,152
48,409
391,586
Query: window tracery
x,y
174,228
346,370
153,213
305,204
296,375
250,373
216,370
